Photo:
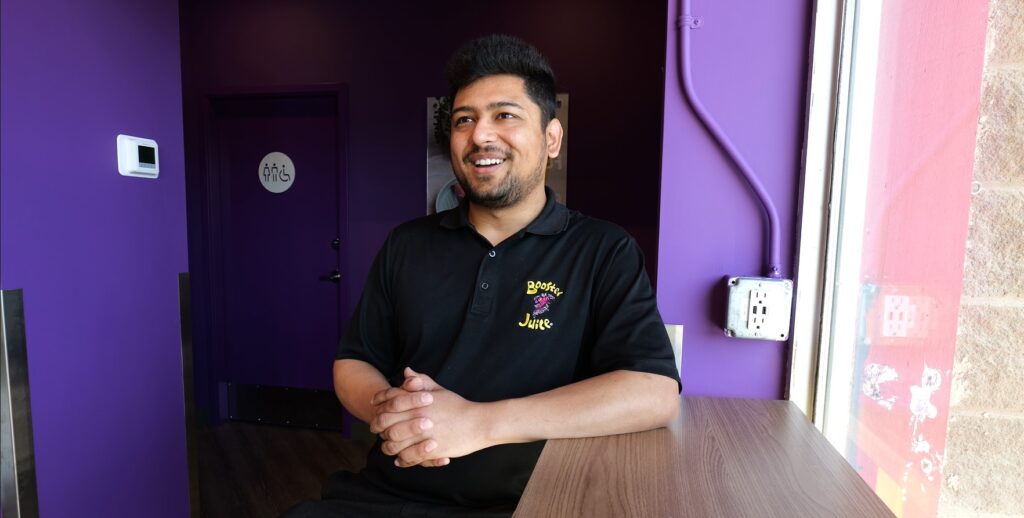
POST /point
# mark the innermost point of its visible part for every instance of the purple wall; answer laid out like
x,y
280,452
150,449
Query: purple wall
x,y
97,254
608,55
749,66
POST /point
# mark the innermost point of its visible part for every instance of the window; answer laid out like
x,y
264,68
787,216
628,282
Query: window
x,y
891,135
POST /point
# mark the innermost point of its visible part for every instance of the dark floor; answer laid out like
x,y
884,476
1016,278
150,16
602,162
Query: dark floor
x,y
252,470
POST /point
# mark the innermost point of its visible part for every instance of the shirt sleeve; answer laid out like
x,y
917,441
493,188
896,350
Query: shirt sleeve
x,y
629,331
371,335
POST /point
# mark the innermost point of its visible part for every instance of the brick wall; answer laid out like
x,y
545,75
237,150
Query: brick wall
x,y
983,473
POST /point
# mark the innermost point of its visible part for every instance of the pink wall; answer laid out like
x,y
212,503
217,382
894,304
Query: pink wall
x,y
922,160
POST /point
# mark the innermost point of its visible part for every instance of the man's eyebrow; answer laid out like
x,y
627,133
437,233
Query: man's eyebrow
x,y
504,104
492,106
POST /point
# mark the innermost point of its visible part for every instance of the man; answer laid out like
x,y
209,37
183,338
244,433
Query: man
x,y
485,330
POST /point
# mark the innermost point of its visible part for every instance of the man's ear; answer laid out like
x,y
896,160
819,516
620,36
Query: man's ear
x,y
553,134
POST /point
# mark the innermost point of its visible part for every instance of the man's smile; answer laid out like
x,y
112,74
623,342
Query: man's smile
x,y
483,163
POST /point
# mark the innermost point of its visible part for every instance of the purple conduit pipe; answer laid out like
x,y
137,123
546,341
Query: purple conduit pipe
x,y
684,24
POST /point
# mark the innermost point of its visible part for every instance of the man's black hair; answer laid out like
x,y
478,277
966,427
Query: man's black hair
x,y
500,54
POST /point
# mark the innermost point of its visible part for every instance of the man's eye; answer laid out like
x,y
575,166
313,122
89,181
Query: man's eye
x,y
463,120
506,115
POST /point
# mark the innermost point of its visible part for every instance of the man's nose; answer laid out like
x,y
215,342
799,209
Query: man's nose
x,y
483,133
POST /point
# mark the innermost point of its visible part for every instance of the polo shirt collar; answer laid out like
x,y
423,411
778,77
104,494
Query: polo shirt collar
x,y
553,218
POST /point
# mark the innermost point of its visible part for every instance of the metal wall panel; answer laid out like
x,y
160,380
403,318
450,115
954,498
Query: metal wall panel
x,y
17,455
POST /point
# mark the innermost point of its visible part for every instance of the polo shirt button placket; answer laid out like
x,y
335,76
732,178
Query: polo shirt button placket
x,y
483,298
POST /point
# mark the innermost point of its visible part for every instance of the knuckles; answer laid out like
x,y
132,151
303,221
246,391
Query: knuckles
x,y
393,405
409,456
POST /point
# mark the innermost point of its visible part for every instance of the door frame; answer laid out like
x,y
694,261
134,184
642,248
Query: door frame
x,y
211,397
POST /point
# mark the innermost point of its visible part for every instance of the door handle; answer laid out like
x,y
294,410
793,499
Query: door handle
x,y
335,277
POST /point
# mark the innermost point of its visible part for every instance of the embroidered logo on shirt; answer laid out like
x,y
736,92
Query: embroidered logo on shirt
x,y
545,294
542,303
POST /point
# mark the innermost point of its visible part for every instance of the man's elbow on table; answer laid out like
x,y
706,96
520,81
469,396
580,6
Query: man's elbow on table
x,y
666,402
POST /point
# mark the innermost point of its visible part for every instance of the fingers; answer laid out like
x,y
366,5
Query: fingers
x,y
435,463
407,402
413,384
404,435
415,381
385,395
386,420
408,437
383,421
377,426
415,454
398,409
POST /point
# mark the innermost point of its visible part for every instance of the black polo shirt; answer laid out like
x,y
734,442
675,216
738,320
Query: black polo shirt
x,y
564,299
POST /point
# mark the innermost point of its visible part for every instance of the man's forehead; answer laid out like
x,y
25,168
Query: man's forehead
x,y
493,92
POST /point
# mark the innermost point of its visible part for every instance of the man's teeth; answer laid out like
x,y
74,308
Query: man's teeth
x,y
488,161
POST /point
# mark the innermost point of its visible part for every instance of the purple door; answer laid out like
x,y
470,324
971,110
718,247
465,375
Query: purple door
x,y
277,302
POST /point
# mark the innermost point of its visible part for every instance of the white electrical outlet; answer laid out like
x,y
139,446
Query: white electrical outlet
x,y
900,315
759,308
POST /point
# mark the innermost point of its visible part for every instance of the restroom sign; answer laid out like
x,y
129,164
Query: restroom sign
x,y
277,173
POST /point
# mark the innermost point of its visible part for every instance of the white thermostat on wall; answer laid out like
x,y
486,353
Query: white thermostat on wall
x,y
137,157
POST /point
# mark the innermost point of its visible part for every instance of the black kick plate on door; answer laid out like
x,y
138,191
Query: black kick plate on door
x,y
286,406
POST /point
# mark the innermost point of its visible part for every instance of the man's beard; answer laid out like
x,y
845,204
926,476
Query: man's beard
x,y
510,192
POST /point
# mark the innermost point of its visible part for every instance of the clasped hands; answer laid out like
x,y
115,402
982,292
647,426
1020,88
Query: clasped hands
x,y
423,424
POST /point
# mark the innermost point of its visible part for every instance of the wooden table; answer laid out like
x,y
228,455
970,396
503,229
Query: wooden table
x,y
721,457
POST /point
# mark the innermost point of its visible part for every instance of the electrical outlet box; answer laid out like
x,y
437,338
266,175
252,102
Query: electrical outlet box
x,y
759,308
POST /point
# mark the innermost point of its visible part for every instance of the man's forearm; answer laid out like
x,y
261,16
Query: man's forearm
x,y
355,383
612,403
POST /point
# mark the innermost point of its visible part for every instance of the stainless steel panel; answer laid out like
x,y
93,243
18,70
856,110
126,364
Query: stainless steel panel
x,y
17,454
